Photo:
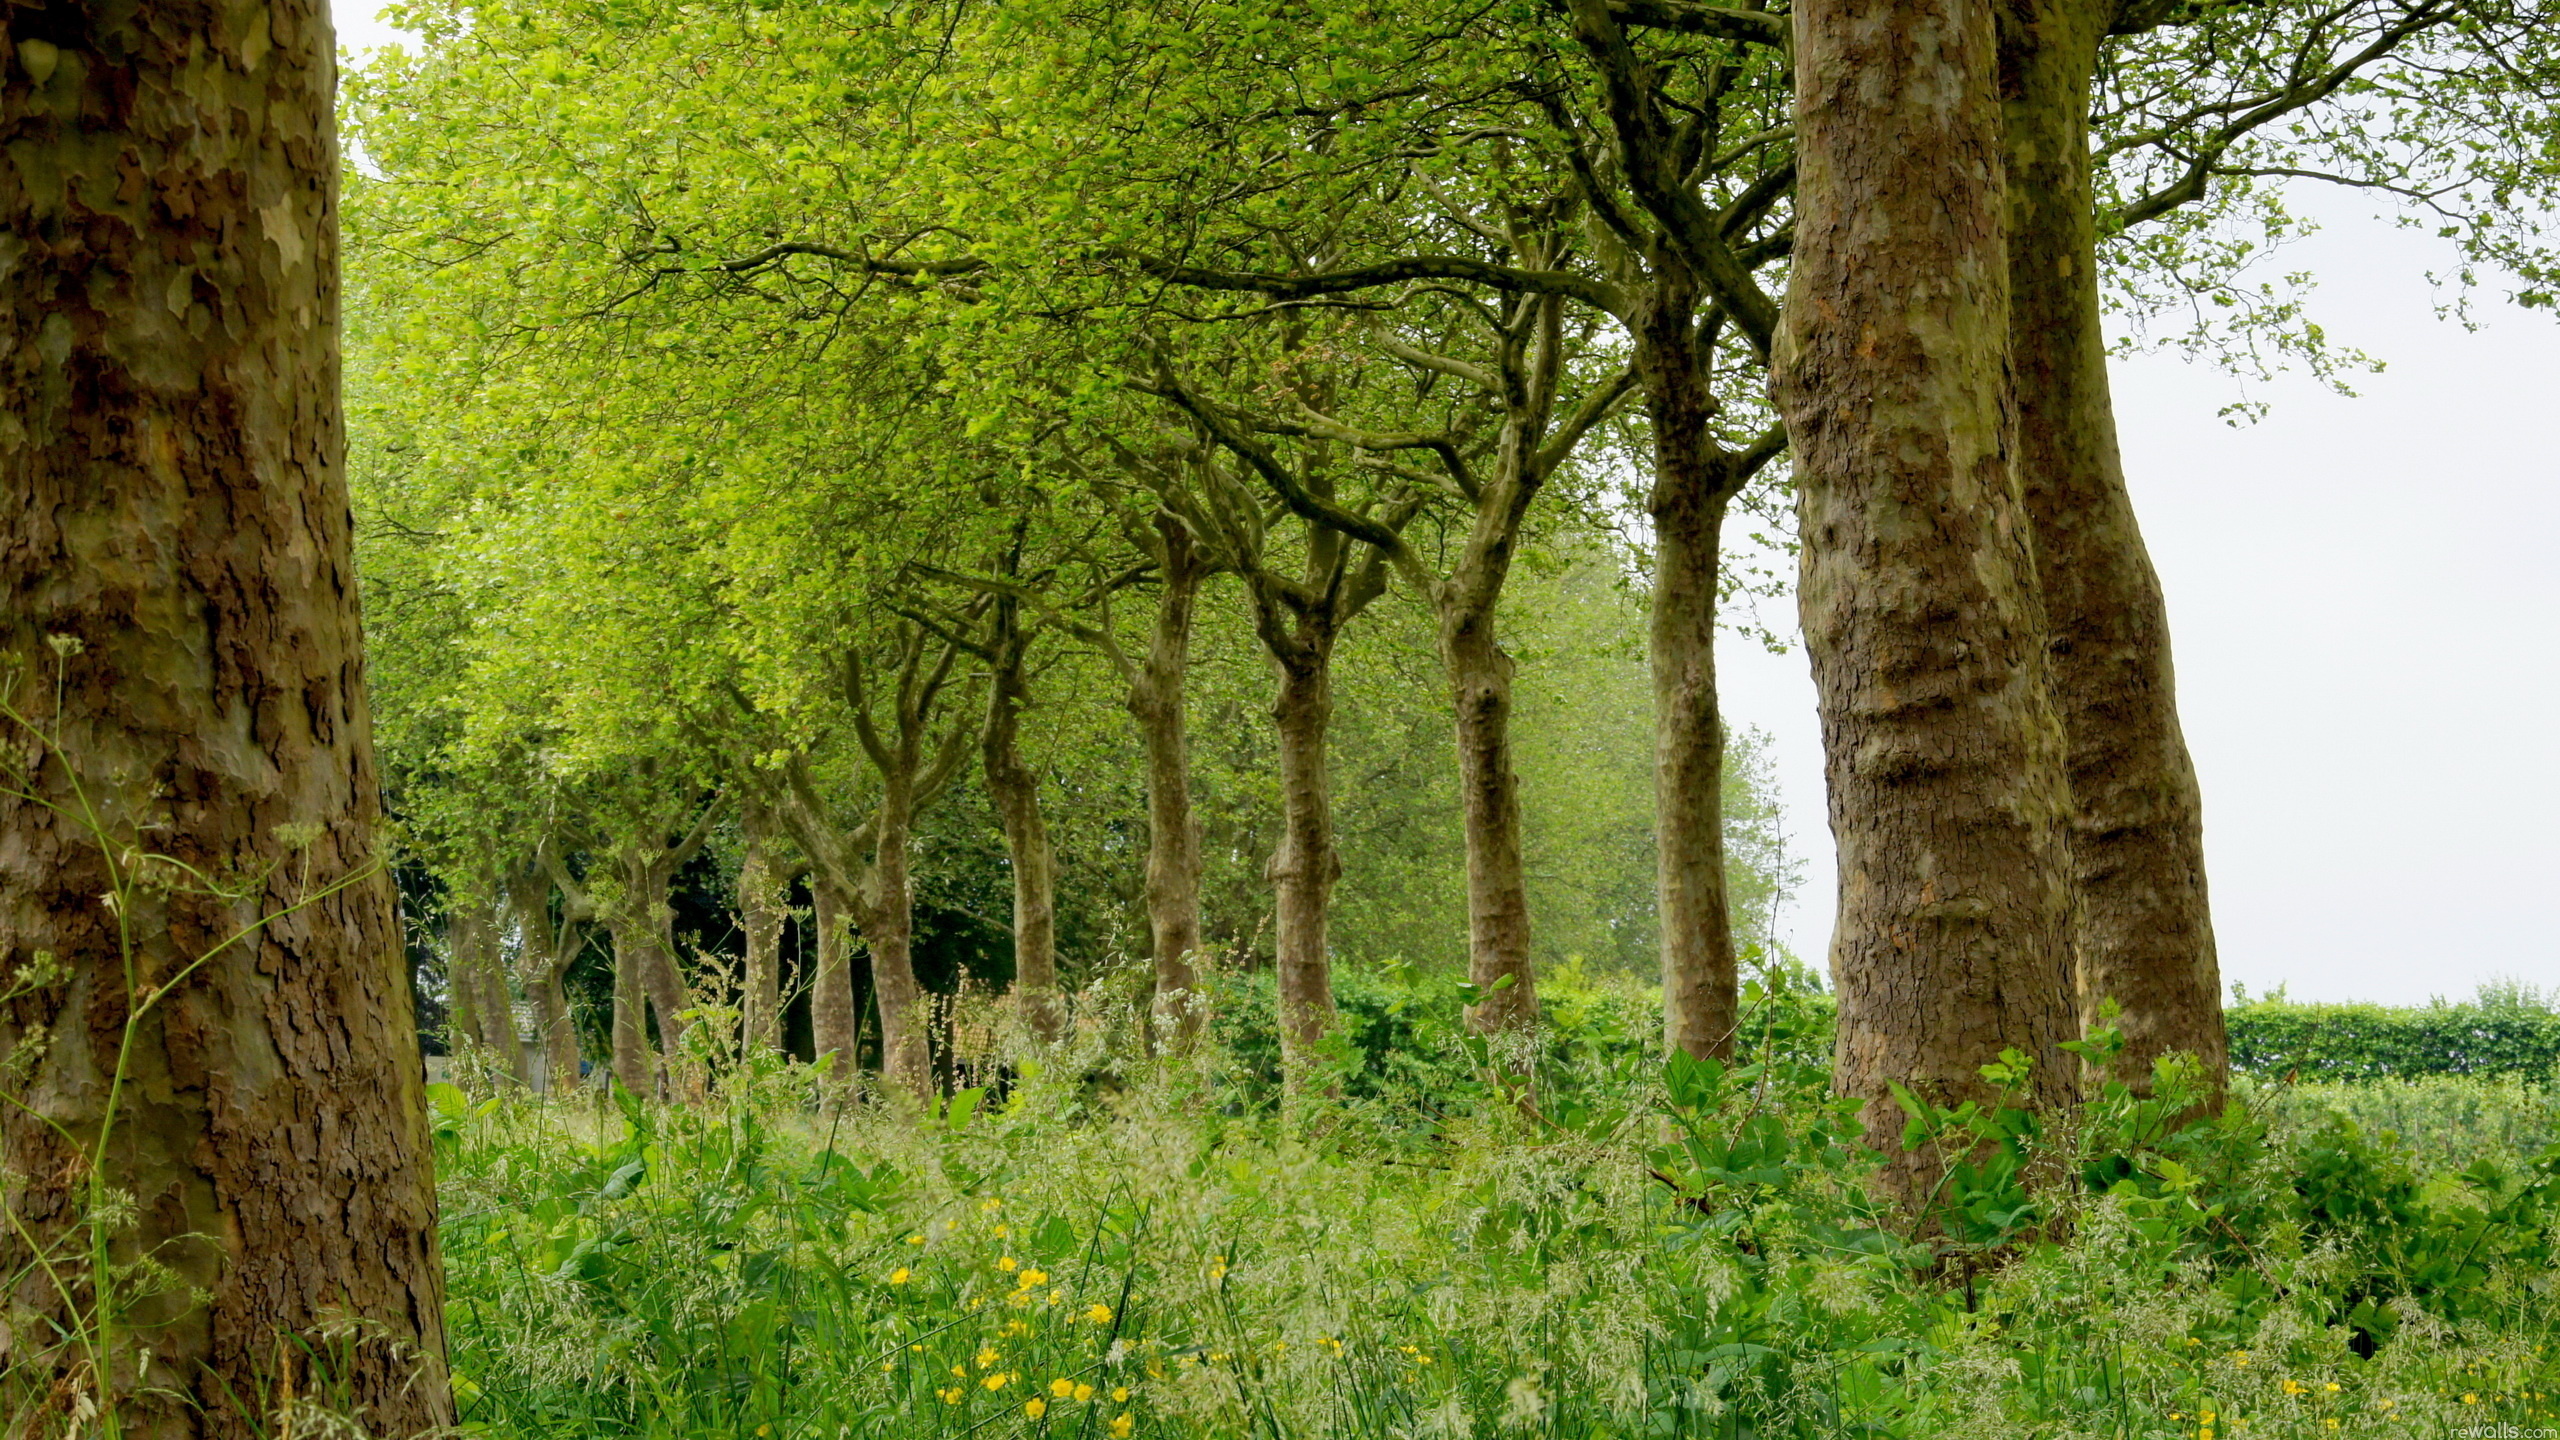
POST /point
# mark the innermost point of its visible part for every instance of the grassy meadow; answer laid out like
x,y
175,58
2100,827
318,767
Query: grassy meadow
x,y
1098,1243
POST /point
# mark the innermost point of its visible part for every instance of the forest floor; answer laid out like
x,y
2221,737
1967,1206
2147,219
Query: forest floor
x,y
1157,1248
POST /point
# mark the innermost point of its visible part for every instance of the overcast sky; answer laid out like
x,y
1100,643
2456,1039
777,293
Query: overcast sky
x,y
2363,594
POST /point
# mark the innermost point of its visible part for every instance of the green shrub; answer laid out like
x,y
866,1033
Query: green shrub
x,y
2276,1039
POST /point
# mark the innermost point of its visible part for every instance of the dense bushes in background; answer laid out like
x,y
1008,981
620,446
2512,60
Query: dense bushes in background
x,y
2506,1030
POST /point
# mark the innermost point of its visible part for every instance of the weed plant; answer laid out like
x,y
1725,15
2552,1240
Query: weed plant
x,y
1098,1244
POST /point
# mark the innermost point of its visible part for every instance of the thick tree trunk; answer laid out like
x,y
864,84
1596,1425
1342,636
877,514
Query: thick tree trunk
x,y
1014,791
178,619
1943,753
1156,702
2145,936
1305,866
760,913
1699,989
1489,790
832,1017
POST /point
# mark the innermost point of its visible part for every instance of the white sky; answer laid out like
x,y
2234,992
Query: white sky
x,y
2362,593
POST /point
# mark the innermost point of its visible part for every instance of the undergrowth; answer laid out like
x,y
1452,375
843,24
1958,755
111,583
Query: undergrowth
x,y
1105,1246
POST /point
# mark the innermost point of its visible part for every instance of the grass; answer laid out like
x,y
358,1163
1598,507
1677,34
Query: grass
x,y
1118,1247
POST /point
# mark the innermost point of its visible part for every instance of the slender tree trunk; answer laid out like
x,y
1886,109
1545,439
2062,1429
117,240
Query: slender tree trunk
x,y
1692,483
462,1021
178,621
831,1013
1157,702
1921,612
889,931
1304,868
559,1031
1014,791
1497,885
2145,936
631,1063
760,910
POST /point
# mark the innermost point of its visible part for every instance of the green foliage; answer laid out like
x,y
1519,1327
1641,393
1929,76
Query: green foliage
x,y
2494,1035
1685,1251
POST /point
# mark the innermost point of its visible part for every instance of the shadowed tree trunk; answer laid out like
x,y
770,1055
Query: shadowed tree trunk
x,y
1013,789
2145,933
1156,701
644,865
484,1004
832,1017
178,623
761,882
1692,486
1306,865
550,948
1942,750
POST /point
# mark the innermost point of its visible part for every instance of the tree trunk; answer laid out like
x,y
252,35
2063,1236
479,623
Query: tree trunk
x,y
1497,887
888,929
1156,702
760,913
2145,935
831,1014
549,951
1943,753
1014,790
480,972
631,1063
1306,865
178,621
1692,484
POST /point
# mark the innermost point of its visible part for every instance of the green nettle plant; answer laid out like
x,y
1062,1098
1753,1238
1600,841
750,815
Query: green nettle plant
x,y
79,1286
1100,1243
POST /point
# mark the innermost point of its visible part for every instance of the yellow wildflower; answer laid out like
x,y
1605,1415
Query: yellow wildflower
x,y
2292,1387
1035,1407
987,1357
1098,1313
989,1203
952,1395
1083,1393
1007,1264
996,1381
1120,1428
1029,1278
1119,1394
901,1275
915,1239
1062,1387
1014,1328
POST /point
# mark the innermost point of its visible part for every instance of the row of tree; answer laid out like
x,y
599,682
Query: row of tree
x,y
793,370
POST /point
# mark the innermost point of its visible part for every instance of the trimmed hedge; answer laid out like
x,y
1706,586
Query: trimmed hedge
x,y
2276,1038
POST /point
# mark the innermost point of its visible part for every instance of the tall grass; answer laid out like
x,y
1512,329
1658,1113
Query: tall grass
x,y
1115,1246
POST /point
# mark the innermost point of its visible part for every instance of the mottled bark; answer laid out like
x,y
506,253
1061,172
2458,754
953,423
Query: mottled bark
x,y
1921,611
633,1069
831,1013
551,946
1693,482
887,918
1157,703
2145,933
761,906
1479,675
170,445
1013,789
1306,865
483,1002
